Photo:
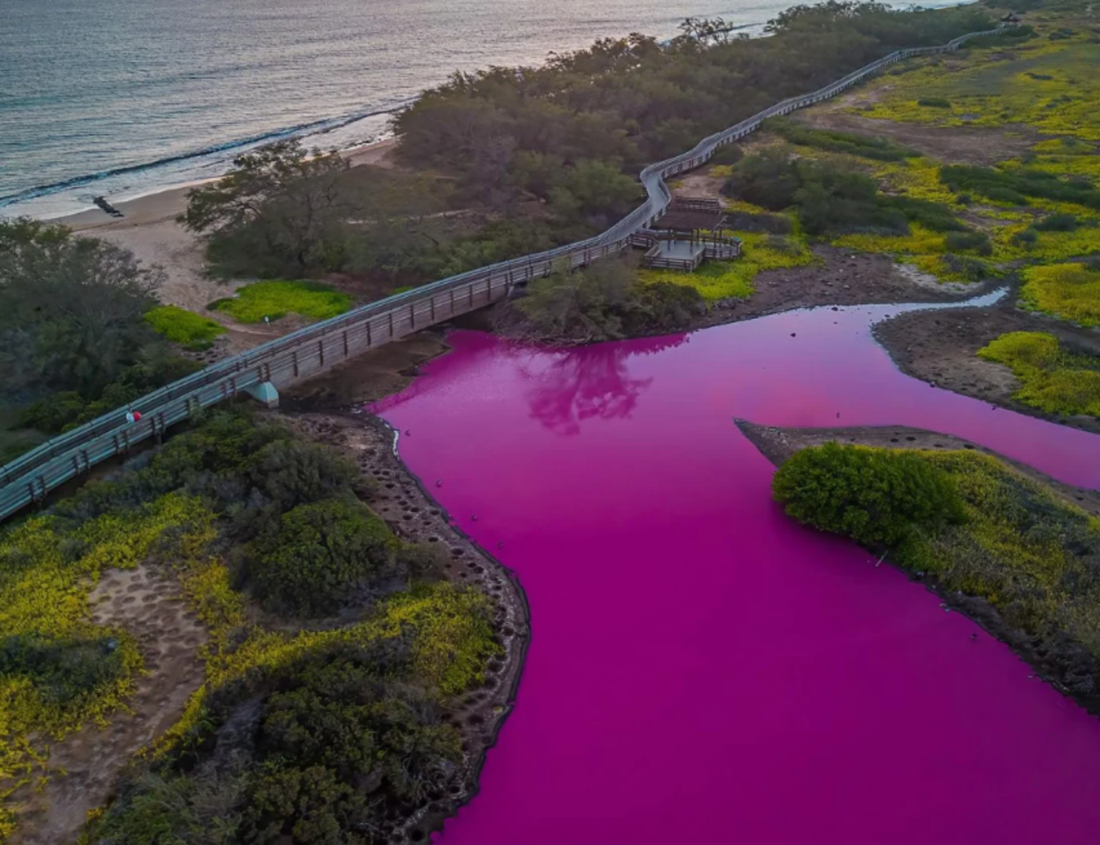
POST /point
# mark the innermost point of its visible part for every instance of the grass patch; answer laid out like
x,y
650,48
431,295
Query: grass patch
x,y
716,280
1019,186
188,329
275,299
1013,543
1069,291
1051,378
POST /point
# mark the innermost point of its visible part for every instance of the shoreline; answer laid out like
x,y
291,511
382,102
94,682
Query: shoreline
x,y
167,202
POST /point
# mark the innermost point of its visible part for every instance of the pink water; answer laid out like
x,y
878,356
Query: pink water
x,y
702,668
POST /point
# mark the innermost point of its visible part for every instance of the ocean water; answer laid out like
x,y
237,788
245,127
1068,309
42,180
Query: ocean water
x,y
701,667
124,97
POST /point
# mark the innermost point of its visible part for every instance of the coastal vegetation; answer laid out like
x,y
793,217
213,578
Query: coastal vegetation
x,y
1052,378
272,300
1070,291
75,338
975,527
320,718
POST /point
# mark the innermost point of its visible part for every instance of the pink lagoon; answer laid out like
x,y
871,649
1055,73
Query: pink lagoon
x,y
702,669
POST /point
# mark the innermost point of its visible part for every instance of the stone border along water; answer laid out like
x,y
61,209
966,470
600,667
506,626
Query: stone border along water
x,y
310,350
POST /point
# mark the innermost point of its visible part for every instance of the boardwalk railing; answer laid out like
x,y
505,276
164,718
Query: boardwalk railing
x,y
312,349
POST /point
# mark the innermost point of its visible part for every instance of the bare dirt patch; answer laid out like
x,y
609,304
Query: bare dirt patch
x,y
778,444
978,145
941,347
700,183
839,277
86,765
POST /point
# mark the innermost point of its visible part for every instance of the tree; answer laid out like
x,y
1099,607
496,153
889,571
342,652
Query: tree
x,y
874,496
71,309
321,553
279,198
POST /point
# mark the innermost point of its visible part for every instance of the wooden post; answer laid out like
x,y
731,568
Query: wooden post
x,y
368,332
390,315
294,358
431,302
412,315
345,345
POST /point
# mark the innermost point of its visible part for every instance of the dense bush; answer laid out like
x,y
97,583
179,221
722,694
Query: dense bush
x,y
321,557
977,242
1016,186
934,103
881,149
831,197
63,669
1058,222
62,411
876,497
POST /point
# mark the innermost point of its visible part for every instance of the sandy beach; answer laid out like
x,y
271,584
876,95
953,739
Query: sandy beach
x,y
150,231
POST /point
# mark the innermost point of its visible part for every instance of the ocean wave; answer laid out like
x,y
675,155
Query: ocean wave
x,y
317,127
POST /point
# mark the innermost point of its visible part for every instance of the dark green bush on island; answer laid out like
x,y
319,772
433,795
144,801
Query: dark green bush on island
x,y
876,497
880,149
977,242
934,103
1016,186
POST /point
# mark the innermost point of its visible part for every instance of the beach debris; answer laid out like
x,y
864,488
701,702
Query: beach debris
x,y
439,482
473,518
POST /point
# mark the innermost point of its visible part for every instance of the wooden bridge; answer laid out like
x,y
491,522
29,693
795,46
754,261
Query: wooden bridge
x,y
260,372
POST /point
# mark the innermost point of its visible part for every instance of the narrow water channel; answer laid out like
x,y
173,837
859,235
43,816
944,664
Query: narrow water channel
x,y
701,668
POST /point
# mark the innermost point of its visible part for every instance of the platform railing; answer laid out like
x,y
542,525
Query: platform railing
x,y
314,348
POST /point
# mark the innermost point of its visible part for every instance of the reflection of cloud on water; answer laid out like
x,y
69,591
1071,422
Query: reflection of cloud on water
x,y
587,382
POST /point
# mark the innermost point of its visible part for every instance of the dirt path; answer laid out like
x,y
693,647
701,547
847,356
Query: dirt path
x,y
86,765
941,347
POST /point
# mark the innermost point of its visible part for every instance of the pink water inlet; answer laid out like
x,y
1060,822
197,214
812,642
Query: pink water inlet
x,y
702,669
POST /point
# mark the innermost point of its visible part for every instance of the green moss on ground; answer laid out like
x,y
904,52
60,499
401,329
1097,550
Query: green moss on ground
x,y
188,329
275,299
1070,291
1052,379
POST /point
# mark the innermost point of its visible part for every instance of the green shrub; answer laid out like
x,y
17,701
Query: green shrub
x,y
320,556
930,215
186,328
1059,222
969,242
934,103
873,496
67,409
62,670
276,299
1015,186
1027,238
880,149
